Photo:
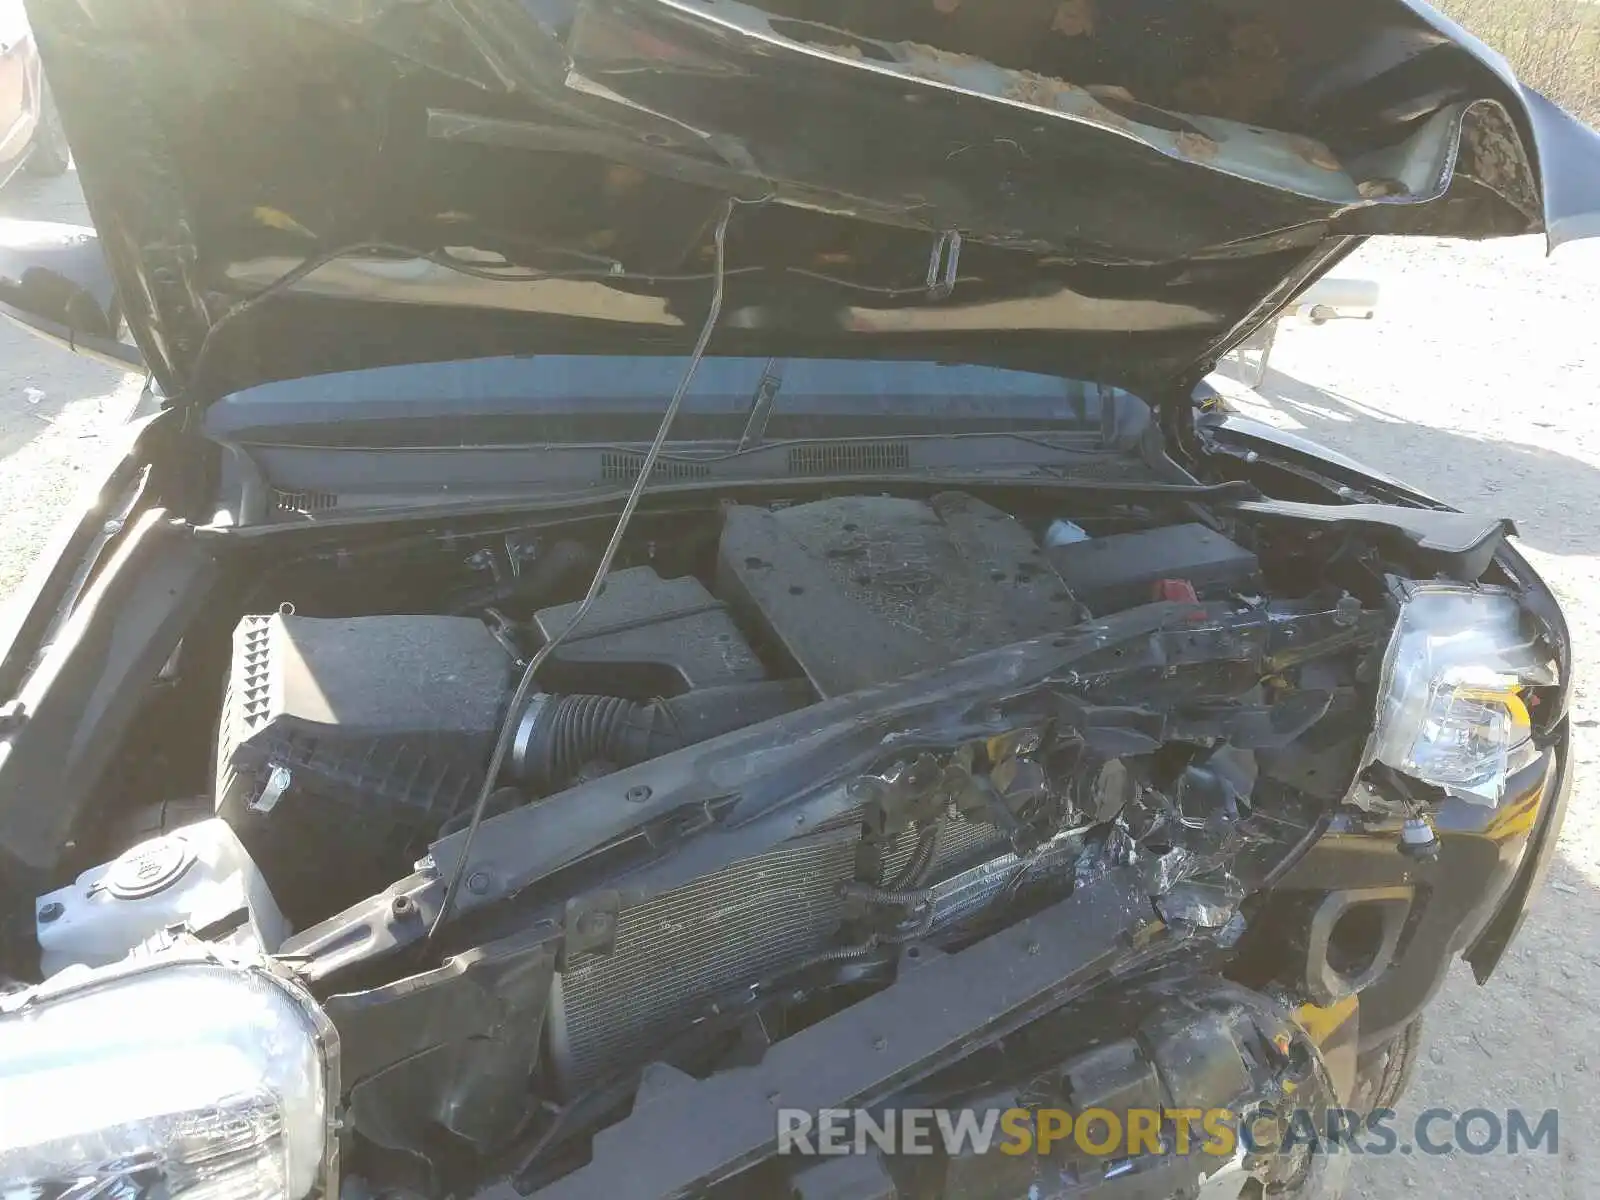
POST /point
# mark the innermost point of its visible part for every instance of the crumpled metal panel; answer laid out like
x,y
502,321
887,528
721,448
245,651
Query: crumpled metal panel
x,y
1131,187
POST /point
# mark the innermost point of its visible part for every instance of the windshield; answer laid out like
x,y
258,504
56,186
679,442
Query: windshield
x,y
582,398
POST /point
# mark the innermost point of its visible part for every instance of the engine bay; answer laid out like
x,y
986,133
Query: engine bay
x,y
347,744
789,746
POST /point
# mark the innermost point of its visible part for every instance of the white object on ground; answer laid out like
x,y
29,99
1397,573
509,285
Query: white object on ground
x,y
1334,299
1329,299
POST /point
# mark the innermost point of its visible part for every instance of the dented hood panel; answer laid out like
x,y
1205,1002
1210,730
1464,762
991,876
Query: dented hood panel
x,y
1116,192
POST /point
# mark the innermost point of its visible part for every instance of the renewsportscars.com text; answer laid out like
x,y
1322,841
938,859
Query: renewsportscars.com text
x,y
1099,1132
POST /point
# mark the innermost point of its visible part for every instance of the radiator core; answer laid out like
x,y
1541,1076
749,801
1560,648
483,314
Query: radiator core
x,y
675,951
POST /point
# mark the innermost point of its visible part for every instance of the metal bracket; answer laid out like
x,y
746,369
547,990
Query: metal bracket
x,y
279,780
13,716
943,264
766,395
591,924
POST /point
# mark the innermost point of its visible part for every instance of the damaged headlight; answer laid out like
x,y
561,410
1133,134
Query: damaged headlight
x,y
1453,698
181,1078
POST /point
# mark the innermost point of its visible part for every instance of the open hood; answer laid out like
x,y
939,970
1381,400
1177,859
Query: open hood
x,y
1117,192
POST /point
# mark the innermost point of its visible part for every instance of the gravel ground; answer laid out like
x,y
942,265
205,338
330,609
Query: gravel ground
x,y
56,408
1478,381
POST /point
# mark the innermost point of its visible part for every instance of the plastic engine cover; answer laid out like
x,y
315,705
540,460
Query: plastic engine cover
x,y
862,589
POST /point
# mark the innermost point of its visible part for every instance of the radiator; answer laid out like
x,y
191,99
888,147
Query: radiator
x,y
959,841
676,951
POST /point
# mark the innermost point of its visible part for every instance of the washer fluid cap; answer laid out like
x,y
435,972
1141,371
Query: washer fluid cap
x,y
150,868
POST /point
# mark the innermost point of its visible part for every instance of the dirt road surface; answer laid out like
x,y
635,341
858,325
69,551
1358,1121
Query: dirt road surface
x,y
55,407
1479,381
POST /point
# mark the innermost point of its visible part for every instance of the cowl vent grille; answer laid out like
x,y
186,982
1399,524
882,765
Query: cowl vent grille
x,y
616,465
303,502
839,458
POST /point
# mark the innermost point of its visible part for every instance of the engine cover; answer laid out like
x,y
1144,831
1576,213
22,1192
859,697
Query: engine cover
x,y
862,589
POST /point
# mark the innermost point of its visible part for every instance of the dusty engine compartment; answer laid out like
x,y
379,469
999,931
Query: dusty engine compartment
x,y
350,745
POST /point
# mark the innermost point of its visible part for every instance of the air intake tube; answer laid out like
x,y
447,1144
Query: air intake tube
x,y
559,737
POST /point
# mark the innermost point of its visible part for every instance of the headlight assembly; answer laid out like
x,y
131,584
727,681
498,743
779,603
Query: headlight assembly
x,y
1453,697
186,1078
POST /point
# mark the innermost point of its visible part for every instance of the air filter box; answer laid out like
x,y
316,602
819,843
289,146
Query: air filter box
x,y
346,742
646,637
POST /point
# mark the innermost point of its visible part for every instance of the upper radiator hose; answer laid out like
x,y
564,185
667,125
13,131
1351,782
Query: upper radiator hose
x,y
559,736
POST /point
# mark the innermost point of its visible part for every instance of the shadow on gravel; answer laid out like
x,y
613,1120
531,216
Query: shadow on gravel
x,y
1478,475
45,389
40,381
1512,1044
31,198
23,418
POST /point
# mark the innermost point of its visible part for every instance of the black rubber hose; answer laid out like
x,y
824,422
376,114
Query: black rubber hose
x,y
536,585
559,735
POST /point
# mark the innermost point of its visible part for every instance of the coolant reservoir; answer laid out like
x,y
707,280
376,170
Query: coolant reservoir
x,y
199,877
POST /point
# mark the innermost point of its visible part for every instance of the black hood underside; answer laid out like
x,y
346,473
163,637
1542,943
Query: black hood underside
x,y
1113,192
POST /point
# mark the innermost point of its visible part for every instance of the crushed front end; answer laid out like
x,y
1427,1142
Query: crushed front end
x,y
864,802
888,768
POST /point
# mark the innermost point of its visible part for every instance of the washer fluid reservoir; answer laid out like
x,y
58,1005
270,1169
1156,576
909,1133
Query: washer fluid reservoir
x,y
199,878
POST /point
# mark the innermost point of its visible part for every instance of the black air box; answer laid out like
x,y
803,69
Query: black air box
x,y
345,743
647,637
1112,573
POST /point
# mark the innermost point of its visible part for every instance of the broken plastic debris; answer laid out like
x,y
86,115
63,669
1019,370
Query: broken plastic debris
x,y
1117,850
1202,905
33,394
1064,533
1164,872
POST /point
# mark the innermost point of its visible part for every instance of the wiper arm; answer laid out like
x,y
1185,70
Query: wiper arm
x,y
762,402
